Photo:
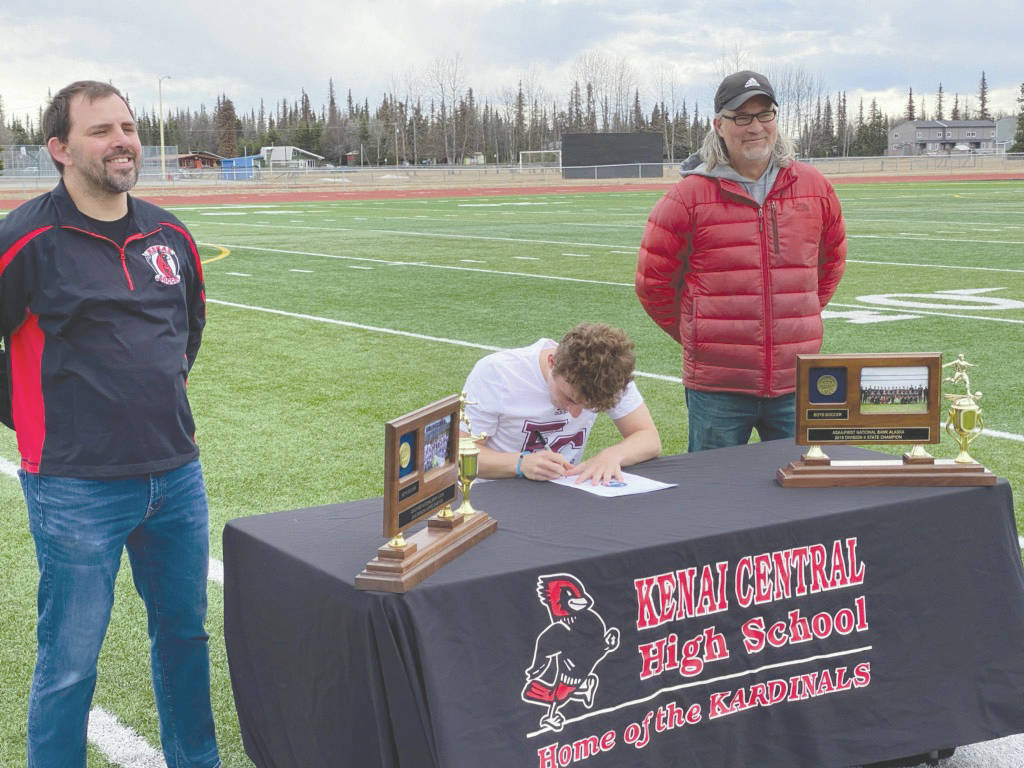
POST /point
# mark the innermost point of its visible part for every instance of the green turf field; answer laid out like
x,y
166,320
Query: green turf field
x,y
327,319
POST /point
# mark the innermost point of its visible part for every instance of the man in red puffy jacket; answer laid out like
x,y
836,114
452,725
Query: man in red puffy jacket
x,y
736,264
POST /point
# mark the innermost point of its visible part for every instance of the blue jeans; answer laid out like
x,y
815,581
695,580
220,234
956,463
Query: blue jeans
x,y
80,527
720,419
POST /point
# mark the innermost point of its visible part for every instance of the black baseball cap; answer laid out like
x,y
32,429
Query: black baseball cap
x,y
739,87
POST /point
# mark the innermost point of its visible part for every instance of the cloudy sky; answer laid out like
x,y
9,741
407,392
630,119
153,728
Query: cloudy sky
x,y
248,50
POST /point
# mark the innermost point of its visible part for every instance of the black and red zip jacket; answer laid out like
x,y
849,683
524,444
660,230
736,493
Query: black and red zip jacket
x,y
99,338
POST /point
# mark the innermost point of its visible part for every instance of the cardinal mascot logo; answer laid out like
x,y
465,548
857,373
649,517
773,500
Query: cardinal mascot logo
x,y
164,262
568,650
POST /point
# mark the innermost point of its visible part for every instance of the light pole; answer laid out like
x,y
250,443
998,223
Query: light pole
x,y
160,96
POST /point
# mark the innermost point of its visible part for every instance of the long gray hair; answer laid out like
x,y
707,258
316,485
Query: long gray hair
x,y
713,151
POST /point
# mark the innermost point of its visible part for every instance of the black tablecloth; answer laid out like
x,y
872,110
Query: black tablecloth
x,y
796,627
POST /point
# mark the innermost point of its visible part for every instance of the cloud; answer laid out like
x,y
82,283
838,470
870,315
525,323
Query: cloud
x,y
255,49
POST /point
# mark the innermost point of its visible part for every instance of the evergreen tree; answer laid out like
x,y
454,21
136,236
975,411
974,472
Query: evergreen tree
x,y
226,123
828,134
1018,138
576,116
860,138
591,118
938,105
910,106
955,114
638,113
983,113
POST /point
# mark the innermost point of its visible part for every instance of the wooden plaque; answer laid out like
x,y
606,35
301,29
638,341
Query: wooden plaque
x,y
872,399
868,399
421,470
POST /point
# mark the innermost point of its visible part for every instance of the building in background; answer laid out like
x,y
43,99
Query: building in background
x,y
935,137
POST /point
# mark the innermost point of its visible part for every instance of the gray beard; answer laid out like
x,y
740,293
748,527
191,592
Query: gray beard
x,y
115,183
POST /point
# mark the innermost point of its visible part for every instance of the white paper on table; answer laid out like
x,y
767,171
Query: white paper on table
x,y
632,484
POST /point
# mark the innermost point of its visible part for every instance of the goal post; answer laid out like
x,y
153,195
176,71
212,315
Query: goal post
x,y
540,158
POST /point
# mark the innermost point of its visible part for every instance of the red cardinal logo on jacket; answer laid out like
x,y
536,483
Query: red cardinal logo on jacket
x,y
164,262
568,650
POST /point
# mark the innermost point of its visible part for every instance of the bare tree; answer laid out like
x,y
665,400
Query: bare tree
x,y
595,70
446,75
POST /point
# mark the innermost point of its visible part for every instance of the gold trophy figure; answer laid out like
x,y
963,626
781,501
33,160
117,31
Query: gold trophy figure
x,y
964,422
469,455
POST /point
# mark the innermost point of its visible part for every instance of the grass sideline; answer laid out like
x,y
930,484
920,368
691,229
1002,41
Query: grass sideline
x,y
328,318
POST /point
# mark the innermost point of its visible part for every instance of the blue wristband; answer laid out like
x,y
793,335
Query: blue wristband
x,y
519,465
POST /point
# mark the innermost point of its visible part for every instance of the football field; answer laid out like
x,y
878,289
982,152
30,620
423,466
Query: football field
x,y
327,319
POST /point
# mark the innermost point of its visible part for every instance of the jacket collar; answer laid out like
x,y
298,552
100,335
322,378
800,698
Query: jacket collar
x,y
68,214
786,178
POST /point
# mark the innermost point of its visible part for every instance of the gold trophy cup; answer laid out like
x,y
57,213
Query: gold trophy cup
x,y
469,456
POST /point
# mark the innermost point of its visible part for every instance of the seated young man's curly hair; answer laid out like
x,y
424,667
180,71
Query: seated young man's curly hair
x,y
597,361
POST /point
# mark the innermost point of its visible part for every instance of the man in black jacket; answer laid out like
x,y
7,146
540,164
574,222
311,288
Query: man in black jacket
x,y
101,312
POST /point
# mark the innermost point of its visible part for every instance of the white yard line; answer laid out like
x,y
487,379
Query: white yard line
x,y
216,573
120,744
424,265
410,233
562,278
474,345
876,308
933,266
462,236
930,239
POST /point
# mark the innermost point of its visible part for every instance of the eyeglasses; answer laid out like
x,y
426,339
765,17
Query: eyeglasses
x,y
744,119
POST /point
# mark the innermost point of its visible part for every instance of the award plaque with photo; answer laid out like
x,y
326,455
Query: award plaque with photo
x,y
872,399
421,480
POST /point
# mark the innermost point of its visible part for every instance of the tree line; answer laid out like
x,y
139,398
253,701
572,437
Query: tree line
x,y
438,118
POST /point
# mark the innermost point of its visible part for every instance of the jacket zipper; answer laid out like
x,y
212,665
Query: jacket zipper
x,y
120,248
767,301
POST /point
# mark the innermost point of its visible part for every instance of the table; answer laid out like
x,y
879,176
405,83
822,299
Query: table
x,y
724,622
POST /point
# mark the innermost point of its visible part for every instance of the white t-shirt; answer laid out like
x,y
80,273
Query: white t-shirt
x,y
514,405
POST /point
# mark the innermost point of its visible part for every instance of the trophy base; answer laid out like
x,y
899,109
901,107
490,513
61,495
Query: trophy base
x,y
427,550
945,472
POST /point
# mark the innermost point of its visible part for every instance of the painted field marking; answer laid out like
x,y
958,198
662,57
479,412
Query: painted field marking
x,y
562,278
639,225
120,744
356,266
969,298
578,255
304,271
224,213
231,205
927,312
440,235
460,343
932,266
224,252
526,258
238,274
472,261
425,265
927,239
495,238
